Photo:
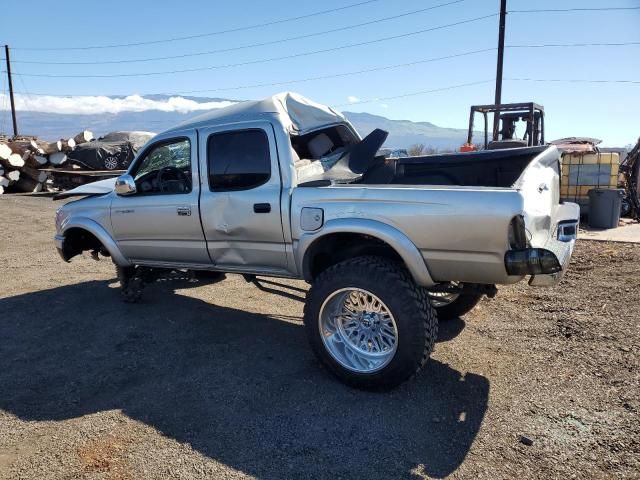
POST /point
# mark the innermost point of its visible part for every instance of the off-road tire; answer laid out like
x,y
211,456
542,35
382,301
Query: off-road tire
x,y
409,304
459,307
131,285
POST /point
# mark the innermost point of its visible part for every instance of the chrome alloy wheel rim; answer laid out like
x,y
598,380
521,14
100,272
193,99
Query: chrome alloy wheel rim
x,y
358,330
441,299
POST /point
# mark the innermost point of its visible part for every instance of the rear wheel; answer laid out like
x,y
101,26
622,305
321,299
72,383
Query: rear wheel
x,y
369,323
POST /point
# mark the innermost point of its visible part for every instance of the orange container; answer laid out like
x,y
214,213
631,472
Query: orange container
x,y
468,147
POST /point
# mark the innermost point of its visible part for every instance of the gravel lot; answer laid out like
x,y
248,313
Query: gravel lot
x,y
217,381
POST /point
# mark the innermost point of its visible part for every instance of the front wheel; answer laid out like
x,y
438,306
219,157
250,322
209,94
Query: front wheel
x,y
369,323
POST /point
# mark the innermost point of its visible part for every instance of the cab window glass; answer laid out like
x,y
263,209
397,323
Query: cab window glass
x,y
166,168
238,160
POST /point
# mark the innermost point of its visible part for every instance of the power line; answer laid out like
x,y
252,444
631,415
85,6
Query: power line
x,y
421,92
24,86
292,19
345,74
264,60
572,80
208,34
545,45
479,82
372,69
557,10
323,77
576,45
253,45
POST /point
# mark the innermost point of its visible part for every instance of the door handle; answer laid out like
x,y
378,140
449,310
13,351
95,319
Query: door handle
x,y
184,211
261,207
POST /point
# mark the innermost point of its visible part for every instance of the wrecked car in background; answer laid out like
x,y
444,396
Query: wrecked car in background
x,y
285,187
107,157
114,151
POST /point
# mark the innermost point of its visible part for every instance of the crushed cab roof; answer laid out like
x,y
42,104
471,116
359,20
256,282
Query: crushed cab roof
x,y
298,114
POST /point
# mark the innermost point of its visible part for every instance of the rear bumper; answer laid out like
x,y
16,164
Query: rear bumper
x,y
546,265
562,252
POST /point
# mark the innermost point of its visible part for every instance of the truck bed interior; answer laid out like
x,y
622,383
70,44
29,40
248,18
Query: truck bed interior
x,y
333,155
488,168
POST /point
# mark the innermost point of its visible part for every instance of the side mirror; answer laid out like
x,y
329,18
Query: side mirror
x,y
125,185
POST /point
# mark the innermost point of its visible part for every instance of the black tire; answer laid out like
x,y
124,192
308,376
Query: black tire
x,y
463,304
131,285
416,320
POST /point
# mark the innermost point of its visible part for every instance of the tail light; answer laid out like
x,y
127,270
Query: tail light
x,y
531,261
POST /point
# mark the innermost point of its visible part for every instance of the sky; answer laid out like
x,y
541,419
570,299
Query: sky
x,y
414,87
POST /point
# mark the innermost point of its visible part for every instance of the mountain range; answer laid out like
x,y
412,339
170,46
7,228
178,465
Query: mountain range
x,y
50,126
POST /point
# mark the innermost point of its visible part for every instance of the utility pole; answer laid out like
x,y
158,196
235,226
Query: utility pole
x,y
13,105
498,100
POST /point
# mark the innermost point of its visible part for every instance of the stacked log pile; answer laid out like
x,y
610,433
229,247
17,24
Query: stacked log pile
x,y
22,160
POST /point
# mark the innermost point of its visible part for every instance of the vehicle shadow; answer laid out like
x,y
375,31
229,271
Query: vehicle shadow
x,y
241,388
280,288
450,329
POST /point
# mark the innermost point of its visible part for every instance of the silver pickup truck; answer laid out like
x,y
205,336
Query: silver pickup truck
x,y
285,187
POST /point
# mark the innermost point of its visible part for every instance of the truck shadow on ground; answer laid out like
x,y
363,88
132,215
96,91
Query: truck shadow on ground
x,y
241,388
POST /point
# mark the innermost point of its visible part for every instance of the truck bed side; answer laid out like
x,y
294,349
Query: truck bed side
x,y
461,232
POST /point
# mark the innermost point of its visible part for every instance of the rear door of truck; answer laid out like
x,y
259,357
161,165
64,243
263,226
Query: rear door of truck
x,y
240,197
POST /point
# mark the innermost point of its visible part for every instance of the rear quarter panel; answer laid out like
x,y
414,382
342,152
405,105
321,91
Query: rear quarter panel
x,y
539,186
461,232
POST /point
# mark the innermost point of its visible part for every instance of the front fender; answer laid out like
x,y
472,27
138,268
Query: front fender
x,y
393,237
100,233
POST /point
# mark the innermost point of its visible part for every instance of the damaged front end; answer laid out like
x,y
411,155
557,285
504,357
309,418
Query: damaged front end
x,y
75,241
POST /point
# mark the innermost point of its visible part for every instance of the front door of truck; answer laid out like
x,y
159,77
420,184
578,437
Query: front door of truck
x,y
240,200
160,223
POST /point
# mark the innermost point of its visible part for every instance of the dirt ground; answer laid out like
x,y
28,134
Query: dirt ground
x,y
217,381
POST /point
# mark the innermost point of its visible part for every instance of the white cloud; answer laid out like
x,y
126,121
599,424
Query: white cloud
x,y
99,104
384,105
353,99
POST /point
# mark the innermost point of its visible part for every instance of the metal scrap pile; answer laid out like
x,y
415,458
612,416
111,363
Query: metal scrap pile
x,y
630,170
577,144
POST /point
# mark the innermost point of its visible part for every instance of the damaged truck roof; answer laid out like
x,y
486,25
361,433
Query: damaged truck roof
x,y
298,114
